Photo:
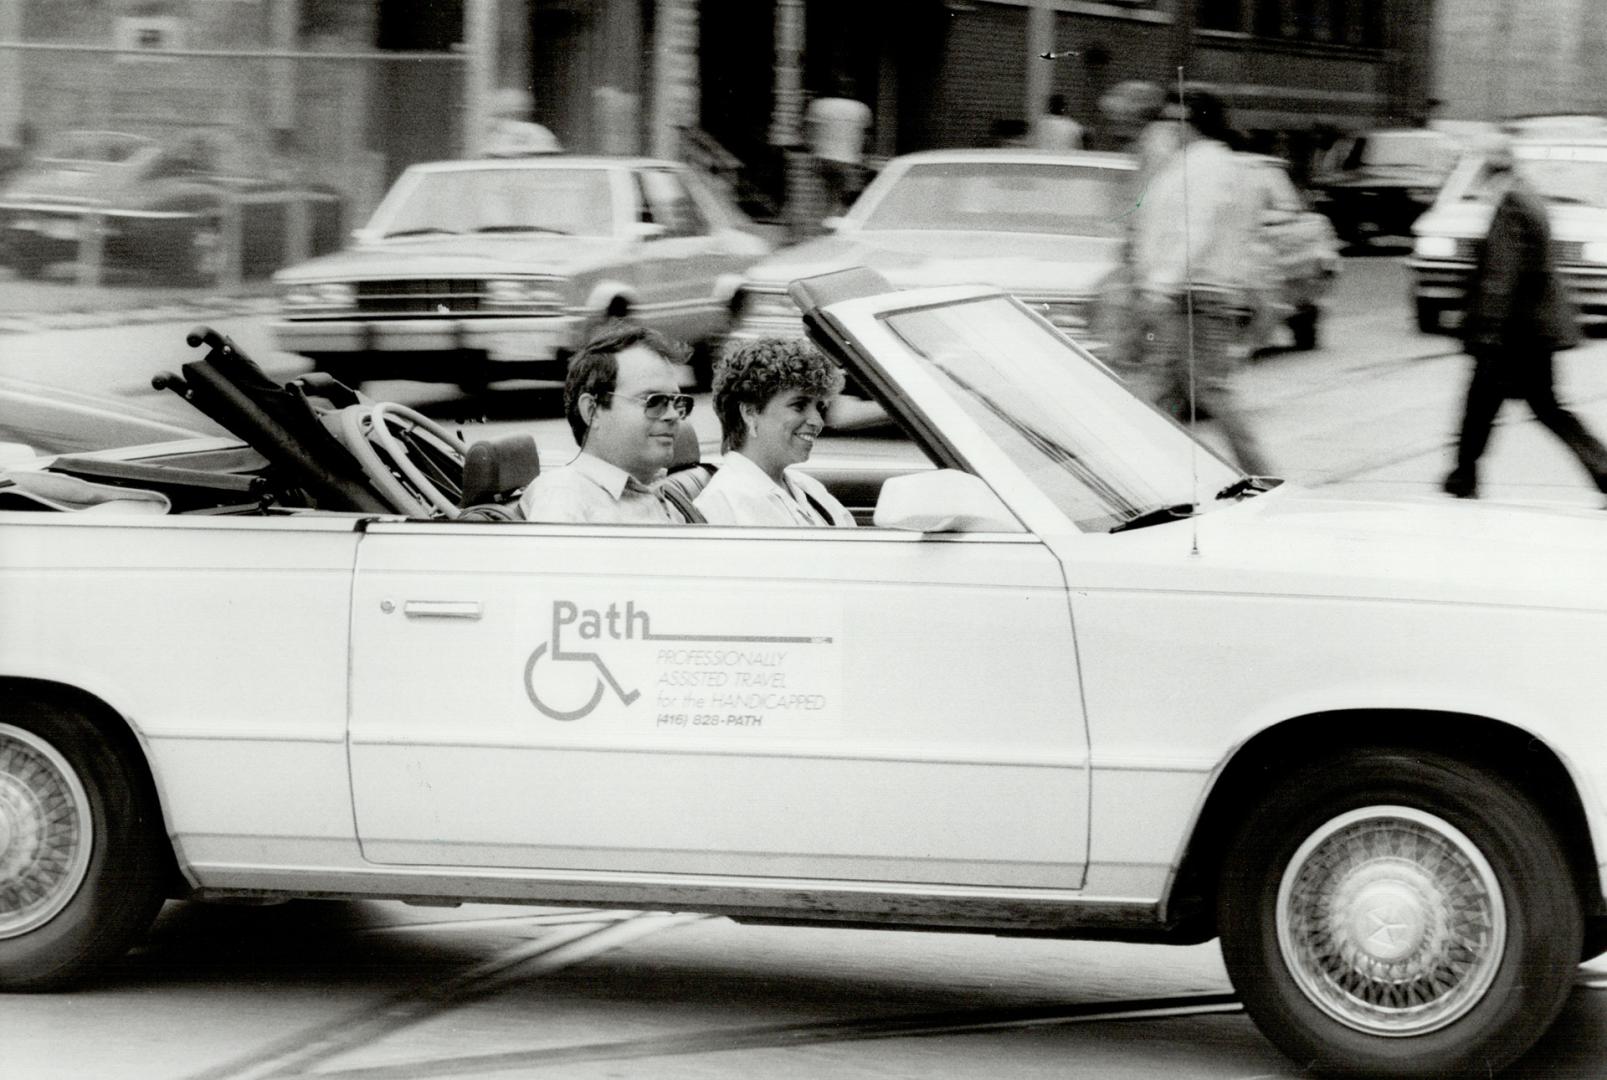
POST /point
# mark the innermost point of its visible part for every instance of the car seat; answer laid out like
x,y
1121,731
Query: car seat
x,y
687,476
495,471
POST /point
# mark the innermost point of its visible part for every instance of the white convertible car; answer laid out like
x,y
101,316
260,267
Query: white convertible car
x,y
1077,677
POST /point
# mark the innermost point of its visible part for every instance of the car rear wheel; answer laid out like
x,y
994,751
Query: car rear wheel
x,y
1303,325
81,872
1400,915
205,254
1428,316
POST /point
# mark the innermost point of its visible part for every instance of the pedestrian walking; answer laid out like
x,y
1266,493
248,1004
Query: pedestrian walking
x,y
1199,271
509,130
1056,130
1518,318
837,126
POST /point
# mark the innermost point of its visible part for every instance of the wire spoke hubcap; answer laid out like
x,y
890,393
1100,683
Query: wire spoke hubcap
x,y
45,832
1391,921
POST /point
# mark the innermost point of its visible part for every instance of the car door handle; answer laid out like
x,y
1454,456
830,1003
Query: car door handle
x,y
442,609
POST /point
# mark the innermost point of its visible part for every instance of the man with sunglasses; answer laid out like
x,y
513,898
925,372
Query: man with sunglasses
x,y
624,406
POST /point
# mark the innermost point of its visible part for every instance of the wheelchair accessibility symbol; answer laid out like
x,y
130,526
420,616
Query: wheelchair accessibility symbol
x,y
629,623
565,613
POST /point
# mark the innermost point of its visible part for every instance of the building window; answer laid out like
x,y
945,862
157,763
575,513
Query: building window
x,y
1341,22
1219,15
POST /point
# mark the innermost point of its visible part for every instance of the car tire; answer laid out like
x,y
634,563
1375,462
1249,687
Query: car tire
x,y
203,252
1428,316
82,866
340,369
1479,924
1303,325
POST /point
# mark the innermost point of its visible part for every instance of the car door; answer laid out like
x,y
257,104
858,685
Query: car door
x,y
863,706
681,264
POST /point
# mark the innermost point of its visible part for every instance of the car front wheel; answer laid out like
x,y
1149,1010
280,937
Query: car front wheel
x,y
1400,915
80,857
1428,316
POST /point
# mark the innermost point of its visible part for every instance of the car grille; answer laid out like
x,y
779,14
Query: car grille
x,y
1568,251
420,296
1466,249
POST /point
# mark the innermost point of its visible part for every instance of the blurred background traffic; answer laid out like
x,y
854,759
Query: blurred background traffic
x,y
457,192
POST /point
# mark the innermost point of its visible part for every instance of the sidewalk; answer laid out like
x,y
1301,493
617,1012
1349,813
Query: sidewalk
x,y
27,306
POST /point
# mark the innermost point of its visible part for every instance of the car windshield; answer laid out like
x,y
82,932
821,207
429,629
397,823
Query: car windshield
x,y
1024,197
1405,148
1103,456
576,202
1562,174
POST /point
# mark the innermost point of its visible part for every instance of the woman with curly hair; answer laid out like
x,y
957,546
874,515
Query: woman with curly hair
x,y
771,395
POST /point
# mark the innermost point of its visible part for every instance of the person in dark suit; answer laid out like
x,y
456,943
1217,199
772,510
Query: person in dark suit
x,y
1518,317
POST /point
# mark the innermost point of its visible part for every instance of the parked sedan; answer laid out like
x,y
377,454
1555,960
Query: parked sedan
x,y
471,271
1570,173
197,206
1076,677
1045,226
1377,183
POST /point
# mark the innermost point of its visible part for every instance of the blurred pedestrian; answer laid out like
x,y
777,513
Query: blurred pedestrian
x,y
1199,271
509,130
1132,115
1130,111
1056,130
1518,317
837,126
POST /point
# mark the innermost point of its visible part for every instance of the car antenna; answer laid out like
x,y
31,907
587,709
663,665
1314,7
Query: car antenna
x,y
1188,314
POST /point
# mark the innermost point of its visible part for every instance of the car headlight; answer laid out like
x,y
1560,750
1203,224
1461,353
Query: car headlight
x,y
765,304
320,296
1594,251
523,293
1434,247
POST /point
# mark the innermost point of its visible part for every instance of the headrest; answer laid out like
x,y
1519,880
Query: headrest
x,y
687,451
494,469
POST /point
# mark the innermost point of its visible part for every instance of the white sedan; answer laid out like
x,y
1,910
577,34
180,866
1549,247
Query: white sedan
x,y
1077,677
473,271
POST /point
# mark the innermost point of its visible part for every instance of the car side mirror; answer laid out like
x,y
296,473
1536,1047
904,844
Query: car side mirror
x,y
942,501
647,230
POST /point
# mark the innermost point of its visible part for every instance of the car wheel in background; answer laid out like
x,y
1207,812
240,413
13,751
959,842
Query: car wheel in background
x,y
1428,316
341,368
1399,914
1303,325
82,871
204,254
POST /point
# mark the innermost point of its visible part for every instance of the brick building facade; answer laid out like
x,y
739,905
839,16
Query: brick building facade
x,y
1506,58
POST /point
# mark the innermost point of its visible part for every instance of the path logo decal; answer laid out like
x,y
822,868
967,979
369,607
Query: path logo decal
x,y
698,680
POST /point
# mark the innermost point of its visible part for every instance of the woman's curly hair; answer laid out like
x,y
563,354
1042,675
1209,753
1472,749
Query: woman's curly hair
x,y
753,372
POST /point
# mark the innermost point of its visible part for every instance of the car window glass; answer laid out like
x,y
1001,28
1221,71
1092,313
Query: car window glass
x,y
1074,430
1026,197
1573,175
668,203
577,202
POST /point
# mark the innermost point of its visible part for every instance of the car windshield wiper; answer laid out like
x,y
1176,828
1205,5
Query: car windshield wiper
x,y
1567,200
1158,516
422,231
1249,485
522,228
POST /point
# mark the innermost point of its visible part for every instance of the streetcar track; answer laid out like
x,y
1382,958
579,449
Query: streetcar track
x,y
788,1036
299,1053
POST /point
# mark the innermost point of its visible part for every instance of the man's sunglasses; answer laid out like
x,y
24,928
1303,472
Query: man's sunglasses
x,y
654,406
